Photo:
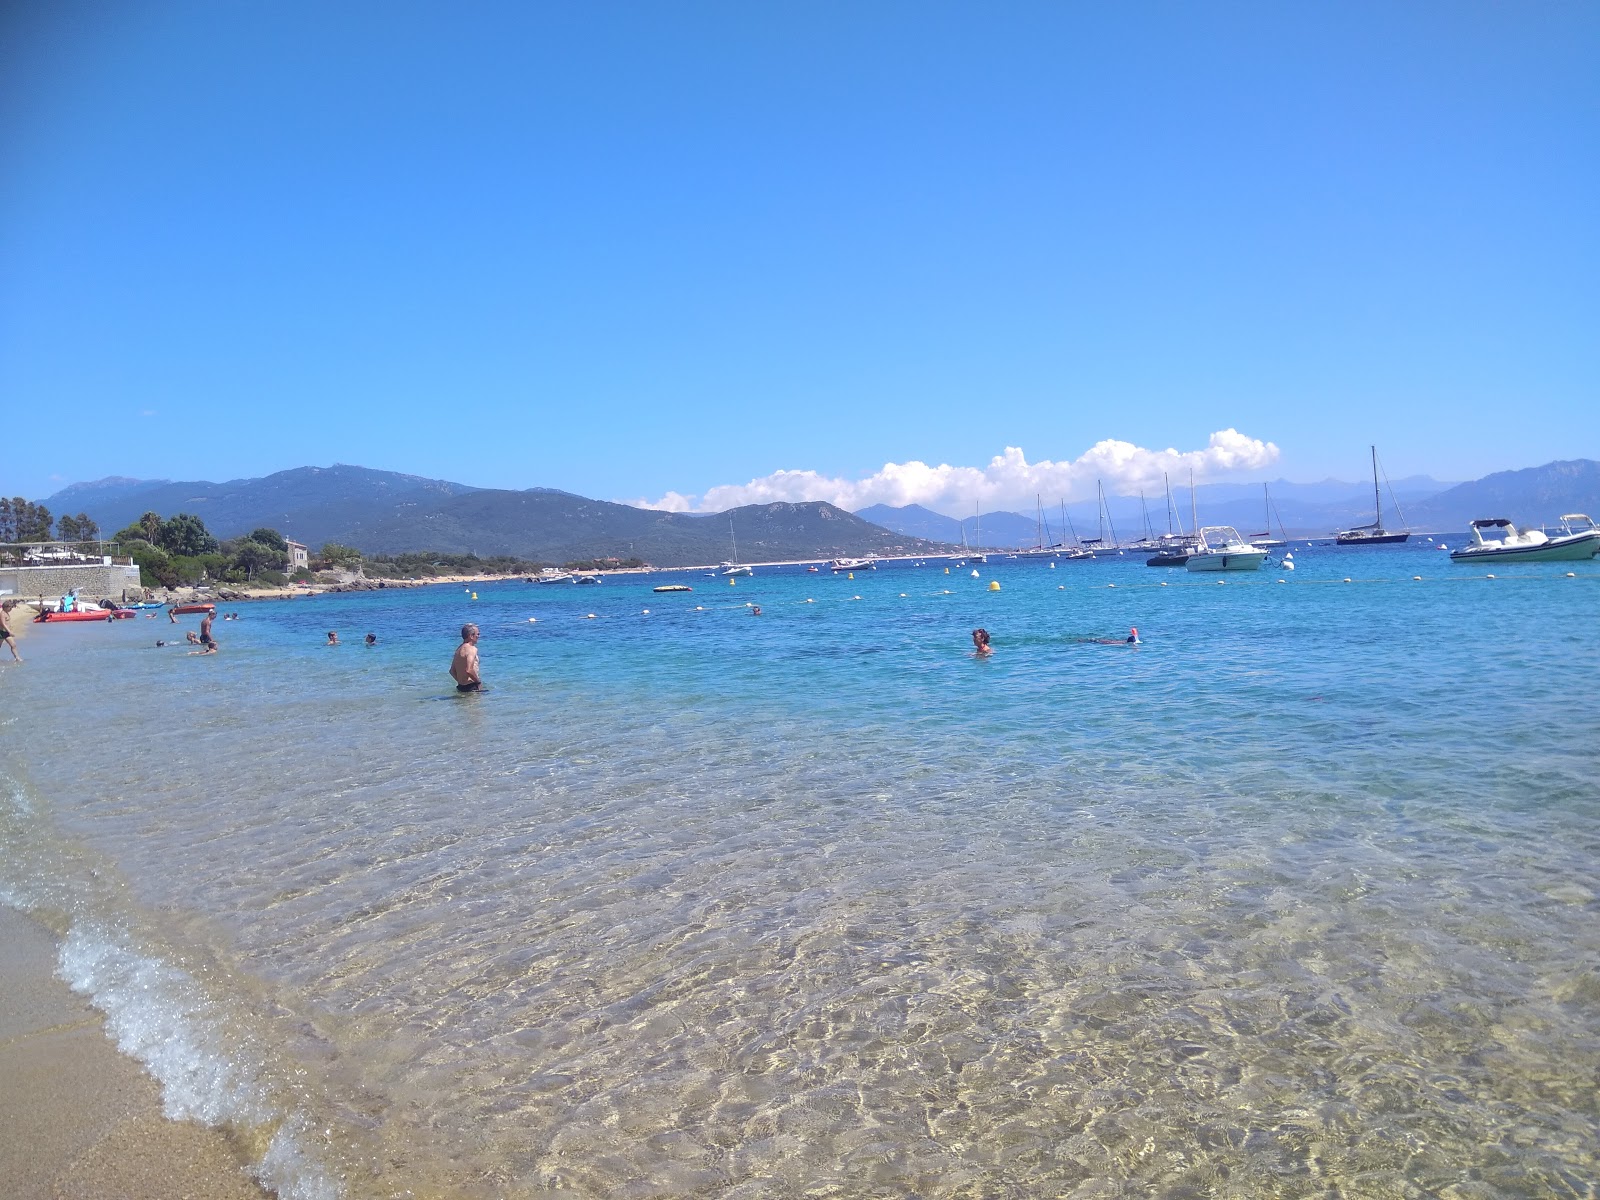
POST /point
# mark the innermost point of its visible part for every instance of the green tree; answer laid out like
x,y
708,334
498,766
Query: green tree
x,y
185,536
344,557
80,528
253,556
151,524
155,564
270,537
29,522
7,528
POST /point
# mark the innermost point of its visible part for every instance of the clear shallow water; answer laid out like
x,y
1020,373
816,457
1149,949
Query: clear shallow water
x,y
1297,898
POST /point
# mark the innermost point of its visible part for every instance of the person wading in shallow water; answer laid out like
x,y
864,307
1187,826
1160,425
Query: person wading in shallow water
x,y
7,635
464,666
980,642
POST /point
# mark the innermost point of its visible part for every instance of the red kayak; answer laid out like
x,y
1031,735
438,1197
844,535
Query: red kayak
x,y
194,608
87,614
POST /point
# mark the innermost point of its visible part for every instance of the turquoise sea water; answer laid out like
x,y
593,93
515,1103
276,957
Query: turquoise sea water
x,y
1297,898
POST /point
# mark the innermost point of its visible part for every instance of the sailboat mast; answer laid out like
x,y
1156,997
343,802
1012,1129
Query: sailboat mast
x,y
1377,504
1194,511
1107,507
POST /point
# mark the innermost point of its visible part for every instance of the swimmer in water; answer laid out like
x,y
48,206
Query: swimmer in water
x,y
333,639
980,642
372,639
464,665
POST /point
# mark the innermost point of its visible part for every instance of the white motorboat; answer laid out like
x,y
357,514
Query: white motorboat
x,y
1220,548
553,575
853,564
1529,545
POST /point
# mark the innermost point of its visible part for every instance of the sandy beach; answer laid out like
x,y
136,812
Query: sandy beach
x,y
82,1120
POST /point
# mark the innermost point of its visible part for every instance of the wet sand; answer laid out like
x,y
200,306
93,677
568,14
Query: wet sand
x,y
78,1119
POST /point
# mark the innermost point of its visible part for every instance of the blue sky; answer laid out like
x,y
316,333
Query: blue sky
x,y
704,253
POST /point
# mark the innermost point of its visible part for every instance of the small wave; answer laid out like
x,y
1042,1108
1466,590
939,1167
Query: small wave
x,y
161,1015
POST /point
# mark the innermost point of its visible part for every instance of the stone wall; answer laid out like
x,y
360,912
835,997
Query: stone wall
x,y
94,581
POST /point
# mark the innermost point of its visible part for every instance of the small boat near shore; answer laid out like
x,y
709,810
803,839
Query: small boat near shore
x,y
1529,545
1220,548
86,614
853,564
673,587
186,609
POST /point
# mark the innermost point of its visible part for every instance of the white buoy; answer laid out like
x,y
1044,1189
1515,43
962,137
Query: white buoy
x,y
533,620
902,595
1163,583
974,572
1418,578
646,612
1347,579
1288,565
1280,581
1572,574
1488,576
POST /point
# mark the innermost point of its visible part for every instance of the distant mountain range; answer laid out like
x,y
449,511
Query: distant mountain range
x,y
384,512
1534,496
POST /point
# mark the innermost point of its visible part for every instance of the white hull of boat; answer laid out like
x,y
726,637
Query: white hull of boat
x,y
1233,560
1576,548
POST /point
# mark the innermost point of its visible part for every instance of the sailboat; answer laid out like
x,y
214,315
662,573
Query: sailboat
x,y
977,554
1374,534
1099,546
733,566
1076,548
1175,546
1265,540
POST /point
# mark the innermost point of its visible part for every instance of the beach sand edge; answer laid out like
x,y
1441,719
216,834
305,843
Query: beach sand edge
x,y
82,1119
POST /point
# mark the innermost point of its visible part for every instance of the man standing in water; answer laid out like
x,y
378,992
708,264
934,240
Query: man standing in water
x,y
6,634
206,639
464,666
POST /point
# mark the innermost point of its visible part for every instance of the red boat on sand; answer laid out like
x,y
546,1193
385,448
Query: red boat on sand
x,y
87,614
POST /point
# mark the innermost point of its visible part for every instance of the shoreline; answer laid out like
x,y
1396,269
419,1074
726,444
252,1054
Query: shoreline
x,y
81,1117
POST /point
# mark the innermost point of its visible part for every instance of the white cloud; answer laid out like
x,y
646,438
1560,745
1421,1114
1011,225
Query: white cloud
x,y
1008,481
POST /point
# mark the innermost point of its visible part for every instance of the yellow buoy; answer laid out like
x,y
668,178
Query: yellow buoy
x,y
994,585
849,574
731,582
